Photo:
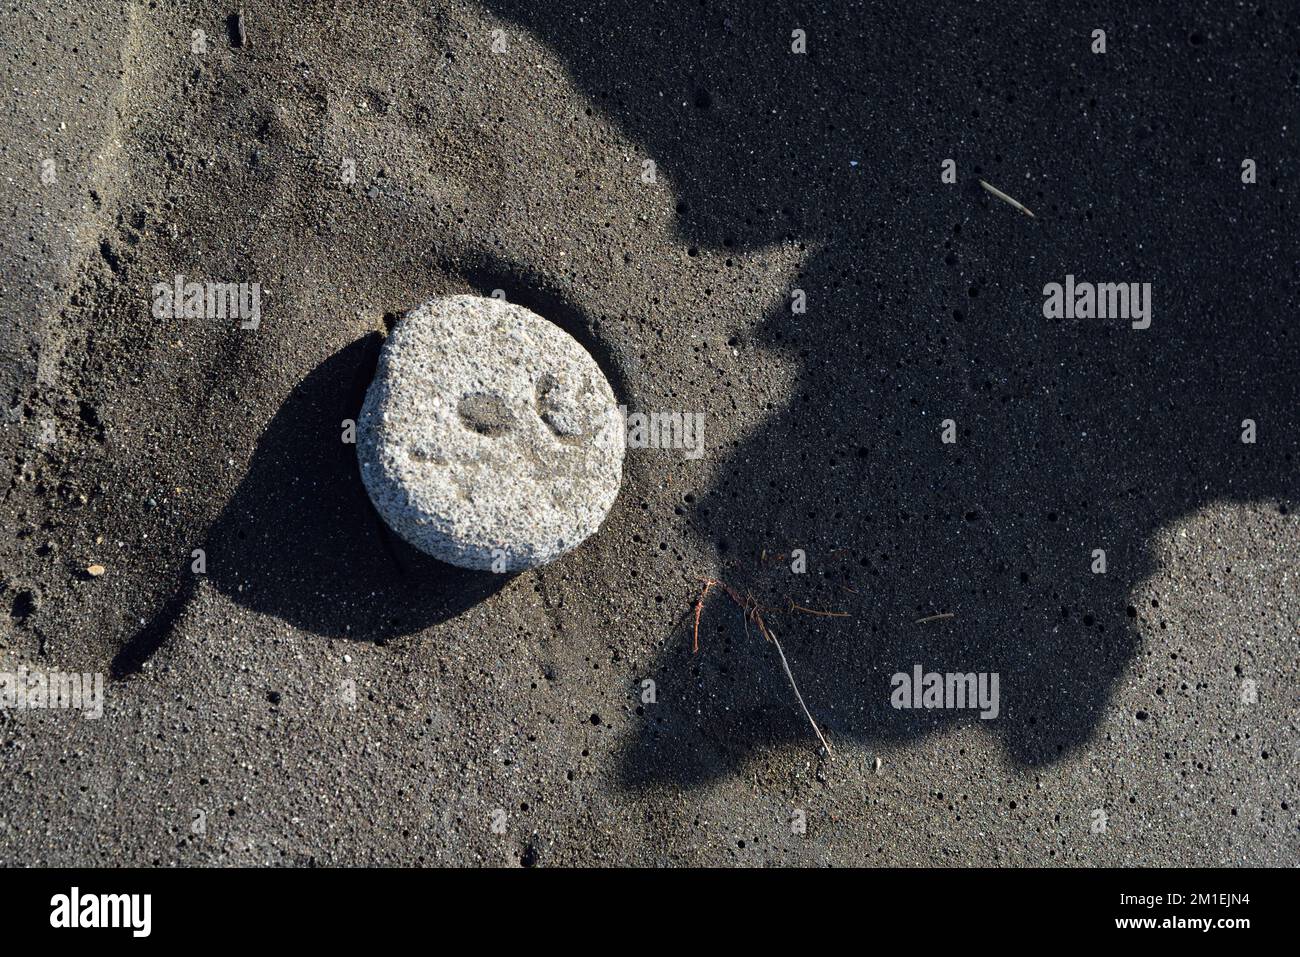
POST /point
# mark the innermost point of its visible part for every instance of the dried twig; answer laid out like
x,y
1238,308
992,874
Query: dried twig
x,y
938,617
751,611
813,611
786,665
1007,199
699,607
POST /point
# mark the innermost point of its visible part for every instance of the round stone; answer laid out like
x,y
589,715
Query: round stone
x,y
489,438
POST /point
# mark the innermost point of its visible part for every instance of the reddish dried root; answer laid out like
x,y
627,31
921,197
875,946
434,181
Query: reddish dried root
x,y
751,611
699,607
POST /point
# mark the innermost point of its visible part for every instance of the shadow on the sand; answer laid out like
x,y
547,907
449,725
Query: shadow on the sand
x,y
300,539
924,304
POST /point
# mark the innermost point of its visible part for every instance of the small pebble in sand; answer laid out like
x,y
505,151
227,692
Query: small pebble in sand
x,y
94,571
489,438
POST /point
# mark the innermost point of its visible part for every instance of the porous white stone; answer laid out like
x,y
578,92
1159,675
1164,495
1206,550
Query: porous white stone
x,y
489,438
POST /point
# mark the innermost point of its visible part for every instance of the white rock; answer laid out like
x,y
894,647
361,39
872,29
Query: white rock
x,y
489,438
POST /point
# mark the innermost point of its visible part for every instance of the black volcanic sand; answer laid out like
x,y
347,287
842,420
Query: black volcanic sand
x,y
324,694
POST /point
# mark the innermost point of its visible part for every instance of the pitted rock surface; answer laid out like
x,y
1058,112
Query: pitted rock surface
x,y
489,438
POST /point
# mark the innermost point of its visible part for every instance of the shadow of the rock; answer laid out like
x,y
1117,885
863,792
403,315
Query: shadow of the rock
x,y
300,539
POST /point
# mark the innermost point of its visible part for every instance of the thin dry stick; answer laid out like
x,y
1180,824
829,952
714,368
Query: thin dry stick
x,y
938,617
813,611
1007,199
786,665
751,611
